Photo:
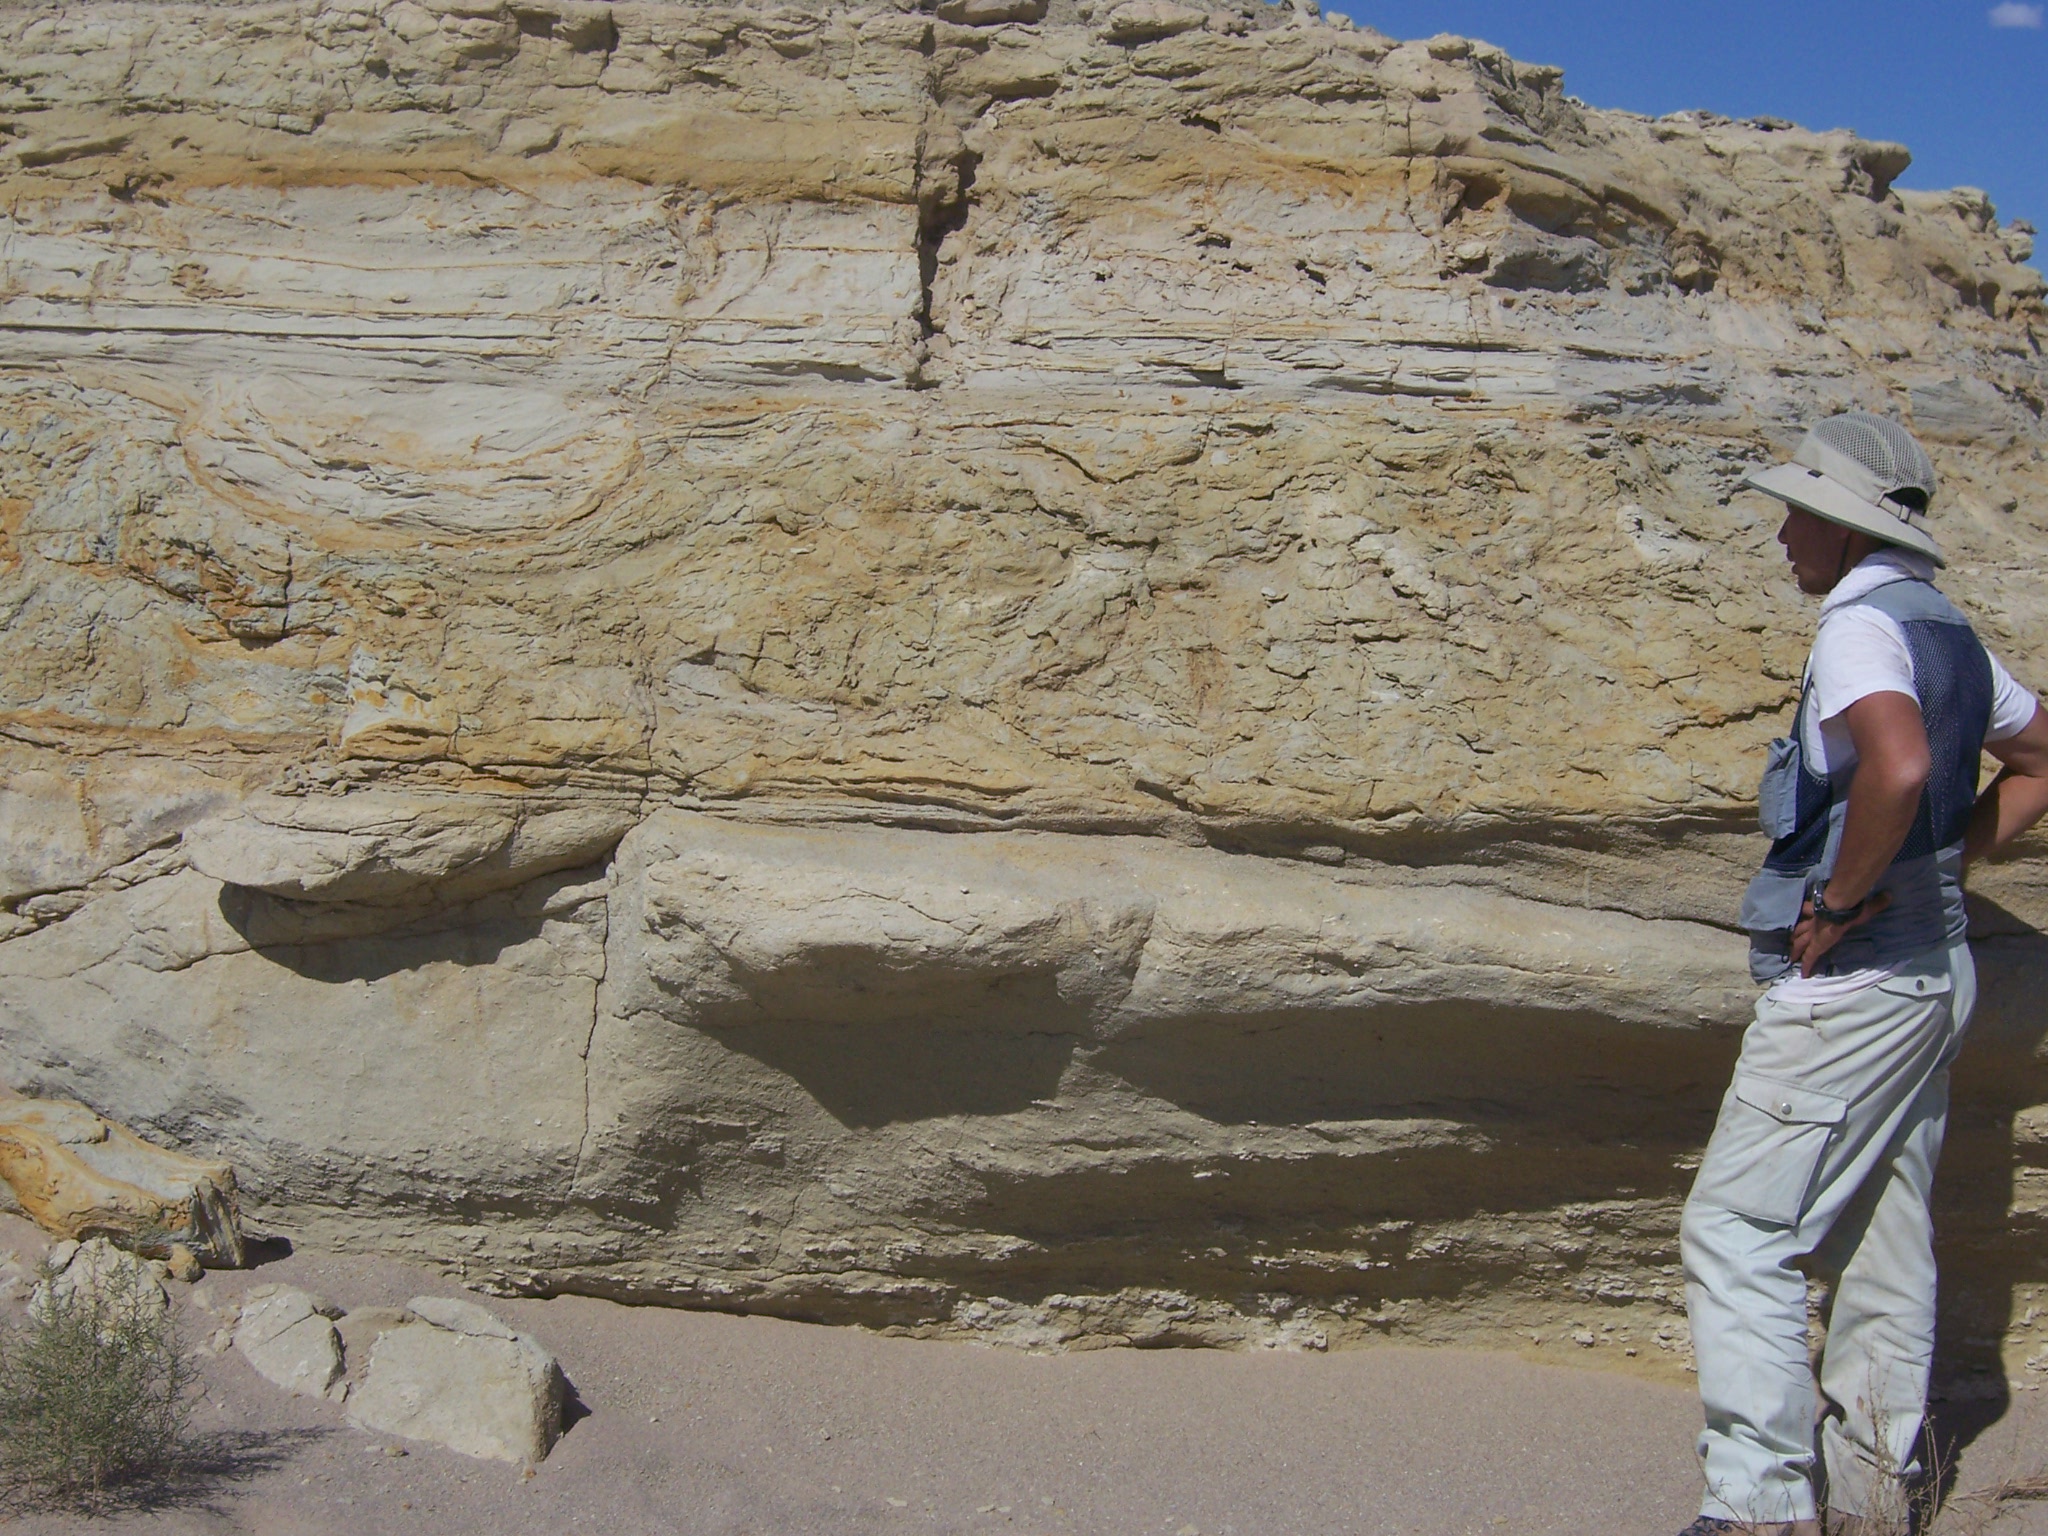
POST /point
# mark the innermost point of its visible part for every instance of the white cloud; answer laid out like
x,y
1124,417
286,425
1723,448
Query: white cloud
x,y
2013,14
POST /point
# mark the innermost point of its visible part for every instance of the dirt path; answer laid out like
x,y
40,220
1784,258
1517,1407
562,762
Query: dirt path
x,y
701,1423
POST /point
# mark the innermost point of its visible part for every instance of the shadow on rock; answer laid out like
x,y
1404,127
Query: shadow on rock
x,y
359,941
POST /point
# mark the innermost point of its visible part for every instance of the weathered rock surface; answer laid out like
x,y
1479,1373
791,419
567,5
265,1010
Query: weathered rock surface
x,y
454,1374
80,1176
289,1337
1062,671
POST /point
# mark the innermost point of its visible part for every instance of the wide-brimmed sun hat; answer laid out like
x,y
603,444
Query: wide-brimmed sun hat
x,y
1850,469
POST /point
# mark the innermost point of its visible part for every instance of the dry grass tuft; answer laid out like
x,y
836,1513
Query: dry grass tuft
x,y
94,1398
1971,1513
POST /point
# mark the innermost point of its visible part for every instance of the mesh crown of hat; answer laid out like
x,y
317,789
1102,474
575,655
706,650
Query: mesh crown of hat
x,y
1881,446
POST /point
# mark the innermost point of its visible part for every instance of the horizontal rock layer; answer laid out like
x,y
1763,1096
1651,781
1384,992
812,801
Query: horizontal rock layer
x,y
1072,671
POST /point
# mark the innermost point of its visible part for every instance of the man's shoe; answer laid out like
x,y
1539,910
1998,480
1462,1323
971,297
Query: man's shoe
x,y
1707,1525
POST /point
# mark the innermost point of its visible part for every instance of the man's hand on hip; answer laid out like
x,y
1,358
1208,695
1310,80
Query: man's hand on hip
x,y
1813,937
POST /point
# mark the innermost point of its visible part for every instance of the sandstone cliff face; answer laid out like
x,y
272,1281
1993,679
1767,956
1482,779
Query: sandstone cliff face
x,y
1080,673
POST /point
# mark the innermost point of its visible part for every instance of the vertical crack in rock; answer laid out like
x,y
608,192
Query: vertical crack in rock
x,y
942,182
597,1004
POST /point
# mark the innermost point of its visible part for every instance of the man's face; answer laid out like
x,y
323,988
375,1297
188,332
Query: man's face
x,y
1813,548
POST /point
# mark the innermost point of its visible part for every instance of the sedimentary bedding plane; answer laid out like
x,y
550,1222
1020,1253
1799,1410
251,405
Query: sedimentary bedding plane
x,y
1049,670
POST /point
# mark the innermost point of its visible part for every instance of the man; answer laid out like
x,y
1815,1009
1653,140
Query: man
x,y
1827,1139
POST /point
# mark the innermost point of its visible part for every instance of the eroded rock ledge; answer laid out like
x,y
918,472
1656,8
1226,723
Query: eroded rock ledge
x,y
1075,671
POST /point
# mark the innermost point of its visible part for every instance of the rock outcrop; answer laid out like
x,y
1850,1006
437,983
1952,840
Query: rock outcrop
x,y
1067,671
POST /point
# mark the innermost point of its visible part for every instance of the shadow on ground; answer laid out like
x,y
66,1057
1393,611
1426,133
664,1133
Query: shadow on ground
x,y
212,1467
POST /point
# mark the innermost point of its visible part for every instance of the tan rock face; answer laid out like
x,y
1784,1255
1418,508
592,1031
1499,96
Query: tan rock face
x,y
1070,671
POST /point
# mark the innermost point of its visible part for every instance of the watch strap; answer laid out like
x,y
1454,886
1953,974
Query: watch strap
x,y
1836,915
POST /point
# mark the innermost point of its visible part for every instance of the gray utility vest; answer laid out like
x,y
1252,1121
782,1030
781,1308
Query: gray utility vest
x,y
1802,812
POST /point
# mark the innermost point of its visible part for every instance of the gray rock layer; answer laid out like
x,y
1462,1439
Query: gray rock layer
x,y
1068,672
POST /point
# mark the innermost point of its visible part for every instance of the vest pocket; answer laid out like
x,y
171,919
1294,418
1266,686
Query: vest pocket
x,y
1772,901
1777,798
1766,1149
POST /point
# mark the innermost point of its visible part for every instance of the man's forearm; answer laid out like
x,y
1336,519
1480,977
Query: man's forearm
x,y
2012,803
1874,827
1892,768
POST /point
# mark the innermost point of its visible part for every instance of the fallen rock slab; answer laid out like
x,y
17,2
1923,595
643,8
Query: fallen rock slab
x,y
79,1175
455,1375
288,1336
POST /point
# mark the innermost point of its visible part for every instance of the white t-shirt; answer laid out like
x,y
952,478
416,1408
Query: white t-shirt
x,y
1860,651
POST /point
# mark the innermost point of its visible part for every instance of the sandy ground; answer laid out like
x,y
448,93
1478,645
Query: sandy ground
x,y
700,1423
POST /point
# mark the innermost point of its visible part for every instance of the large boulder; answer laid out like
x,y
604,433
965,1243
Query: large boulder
x,y
107,1281
454,1374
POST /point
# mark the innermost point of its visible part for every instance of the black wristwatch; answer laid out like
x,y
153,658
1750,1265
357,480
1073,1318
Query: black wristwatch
x,y
1839,916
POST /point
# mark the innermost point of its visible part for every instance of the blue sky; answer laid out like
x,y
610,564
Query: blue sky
x,y
1968,97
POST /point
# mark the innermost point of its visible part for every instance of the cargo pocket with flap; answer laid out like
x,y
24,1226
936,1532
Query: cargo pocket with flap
x,y
1928,984
1767,1149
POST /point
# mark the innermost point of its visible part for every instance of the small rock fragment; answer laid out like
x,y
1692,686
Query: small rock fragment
x,y
184,1264
527,136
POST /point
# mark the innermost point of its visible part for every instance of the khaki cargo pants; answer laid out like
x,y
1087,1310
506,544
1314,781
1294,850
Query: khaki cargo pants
x,y
1825,1147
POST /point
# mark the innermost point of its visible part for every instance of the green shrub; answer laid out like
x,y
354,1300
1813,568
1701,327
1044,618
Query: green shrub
x,y
94,1395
